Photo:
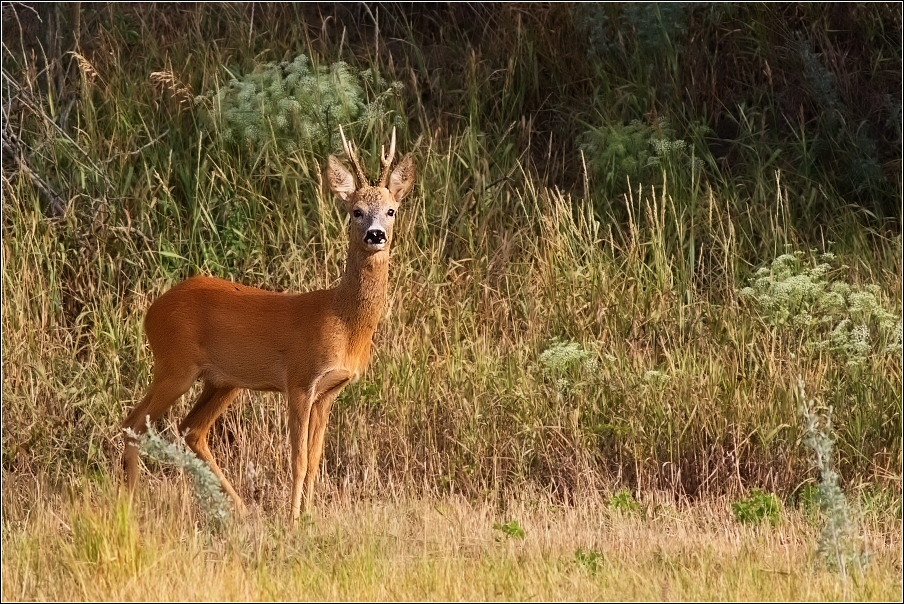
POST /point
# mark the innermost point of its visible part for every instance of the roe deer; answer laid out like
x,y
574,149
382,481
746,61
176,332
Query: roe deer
x,y
308,346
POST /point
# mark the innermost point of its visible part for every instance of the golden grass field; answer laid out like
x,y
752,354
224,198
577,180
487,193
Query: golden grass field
x,y
91,545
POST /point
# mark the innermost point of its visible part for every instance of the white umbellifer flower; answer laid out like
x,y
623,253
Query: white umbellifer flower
x,y
562,356
788,293
656,378
291,102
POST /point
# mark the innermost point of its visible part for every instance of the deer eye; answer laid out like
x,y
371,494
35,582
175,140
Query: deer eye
x,y
358,213
390,213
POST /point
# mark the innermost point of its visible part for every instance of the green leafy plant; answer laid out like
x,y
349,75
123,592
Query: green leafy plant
x,y
624,501
860,170
618,151
591,20
640,153
511,529
808,501
757,507
656,25
589,560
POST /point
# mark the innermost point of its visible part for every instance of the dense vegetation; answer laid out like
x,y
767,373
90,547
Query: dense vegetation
x,y
635,227
644,330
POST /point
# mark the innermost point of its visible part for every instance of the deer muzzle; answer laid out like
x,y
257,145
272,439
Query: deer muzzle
x,y
375,237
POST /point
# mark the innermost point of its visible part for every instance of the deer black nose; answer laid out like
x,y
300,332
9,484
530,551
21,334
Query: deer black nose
x,y
375,236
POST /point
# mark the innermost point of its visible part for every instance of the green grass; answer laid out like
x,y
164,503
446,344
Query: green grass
x,y
566,313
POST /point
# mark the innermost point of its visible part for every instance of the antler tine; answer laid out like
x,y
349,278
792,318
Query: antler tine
x,y
353,157
386,159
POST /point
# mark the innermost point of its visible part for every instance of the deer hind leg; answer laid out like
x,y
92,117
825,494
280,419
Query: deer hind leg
x,y
196,425
165,389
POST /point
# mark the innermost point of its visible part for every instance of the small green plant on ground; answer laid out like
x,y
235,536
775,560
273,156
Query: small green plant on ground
x,y
808,502
589,560
207,487
511,529
624,501
838,539
757,507
835,316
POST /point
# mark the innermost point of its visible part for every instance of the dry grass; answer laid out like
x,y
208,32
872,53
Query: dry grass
x,y
90,545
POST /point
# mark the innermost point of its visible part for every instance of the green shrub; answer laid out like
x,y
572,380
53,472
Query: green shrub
x,y
617,153
808,501
757,507
589,560
511,529
624,501
563,358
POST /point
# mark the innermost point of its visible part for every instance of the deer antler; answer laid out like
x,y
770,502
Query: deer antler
x,y
386,160
353,157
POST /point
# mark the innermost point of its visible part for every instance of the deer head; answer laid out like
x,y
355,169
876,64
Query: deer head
x,y
372,207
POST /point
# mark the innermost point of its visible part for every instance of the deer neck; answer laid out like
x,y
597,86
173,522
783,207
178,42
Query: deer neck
x,y
361,294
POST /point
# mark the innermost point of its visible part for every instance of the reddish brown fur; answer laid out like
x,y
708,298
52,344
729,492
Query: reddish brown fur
x,y
308,346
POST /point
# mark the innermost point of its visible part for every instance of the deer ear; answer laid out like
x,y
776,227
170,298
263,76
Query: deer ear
x,y
402,178
341,181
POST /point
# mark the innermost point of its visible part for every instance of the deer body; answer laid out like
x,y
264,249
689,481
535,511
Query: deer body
x,y
226,333
308,346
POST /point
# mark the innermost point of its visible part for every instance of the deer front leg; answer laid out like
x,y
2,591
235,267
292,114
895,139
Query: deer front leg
x,y
300,402
320,414
329,386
